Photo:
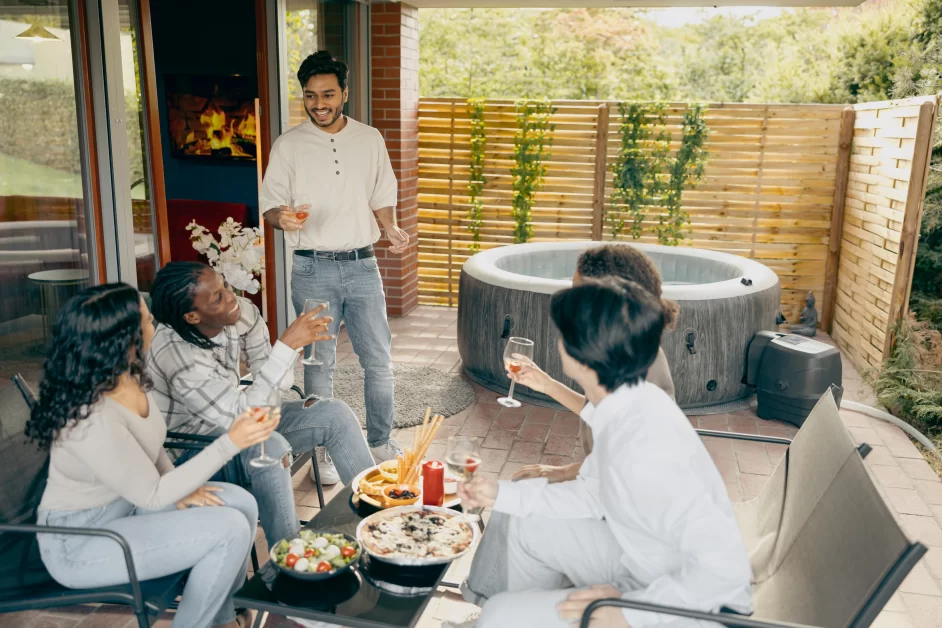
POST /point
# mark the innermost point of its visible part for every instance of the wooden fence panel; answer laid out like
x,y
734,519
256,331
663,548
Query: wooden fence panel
x,y
767,192
883,208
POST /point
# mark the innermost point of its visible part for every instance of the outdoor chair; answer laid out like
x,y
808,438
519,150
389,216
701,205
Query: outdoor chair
x,y
825,549
24,582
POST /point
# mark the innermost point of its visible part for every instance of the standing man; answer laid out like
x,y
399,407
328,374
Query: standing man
x,y
336,171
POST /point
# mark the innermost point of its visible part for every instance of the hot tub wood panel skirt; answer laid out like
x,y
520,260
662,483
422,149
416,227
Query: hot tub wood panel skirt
x,y
706,350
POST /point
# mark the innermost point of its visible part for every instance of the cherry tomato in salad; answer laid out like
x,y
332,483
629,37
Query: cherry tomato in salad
x,y
291,560
308,553
324,566
348,551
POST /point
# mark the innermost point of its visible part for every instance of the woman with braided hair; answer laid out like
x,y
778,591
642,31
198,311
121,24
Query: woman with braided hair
x,y
108,468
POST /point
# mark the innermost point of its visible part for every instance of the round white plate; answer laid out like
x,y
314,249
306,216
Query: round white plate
x,y
451,499
415,562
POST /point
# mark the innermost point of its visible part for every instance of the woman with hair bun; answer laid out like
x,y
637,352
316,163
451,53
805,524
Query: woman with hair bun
x,y
108,468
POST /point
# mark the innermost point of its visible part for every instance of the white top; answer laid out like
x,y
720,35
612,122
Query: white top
x,y
115,454
652,480
344,176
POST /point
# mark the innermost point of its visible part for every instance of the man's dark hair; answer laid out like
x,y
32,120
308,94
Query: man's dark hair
x,y
612,326
627,262
321,62
171,298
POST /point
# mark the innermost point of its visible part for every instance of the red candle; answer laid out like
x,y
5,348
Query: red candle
x,y
433,483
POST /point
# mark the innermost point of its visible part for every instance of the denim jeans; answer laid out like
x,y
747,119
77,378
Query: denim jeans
x,y
354,290
212,542
328,422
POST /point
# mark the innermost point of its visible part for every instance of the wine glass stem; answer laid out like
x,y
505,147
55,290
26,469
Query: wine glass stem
x,y
262,450
510,395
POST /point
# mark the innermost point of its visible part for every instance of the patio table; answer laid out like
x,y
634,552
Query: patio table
x,y
371,595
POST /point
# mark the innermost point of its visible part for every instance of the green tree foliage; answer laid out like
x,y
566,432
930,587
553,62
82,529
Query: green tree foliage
x,y
870,50
909,384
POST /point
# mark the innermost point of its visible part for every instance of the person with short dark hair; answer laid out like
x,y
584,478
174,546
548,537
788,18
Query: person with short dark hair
x,y
204,333
108,469
609,260
647,518
336,172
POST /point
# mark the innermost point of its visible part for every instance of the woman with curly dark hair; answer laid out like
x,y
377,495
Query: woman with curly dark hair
x,y
108,468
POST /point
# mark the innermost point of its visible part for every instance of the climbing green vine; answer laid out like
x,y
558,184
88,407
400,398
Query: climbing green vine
x,y
641,159
686,169
531,148
476,178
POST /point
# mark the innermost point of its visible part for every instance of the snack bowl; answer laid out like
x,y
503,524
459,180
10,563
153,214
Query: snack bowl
x,y
317,575
378,518
391,501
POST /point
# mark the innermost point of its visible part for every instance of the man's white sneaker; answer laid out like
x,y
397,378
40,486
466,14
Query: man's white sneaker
x,y
325,465
387,451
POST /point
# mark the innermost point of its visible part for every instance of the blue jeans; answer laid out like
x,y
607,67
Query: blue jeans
x,y
328,422
354,290
212,542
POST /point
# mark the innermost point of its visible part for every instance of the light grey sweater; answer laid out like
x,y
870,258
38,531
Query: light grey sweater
x,y
116,454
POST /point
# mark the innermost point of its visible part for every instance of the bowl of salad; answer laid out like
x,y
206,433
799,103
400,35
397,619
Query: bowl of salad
x,y
315,555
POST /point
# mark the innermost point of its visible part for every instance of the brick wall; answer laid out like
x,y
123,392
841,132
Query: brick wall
x,y
394,107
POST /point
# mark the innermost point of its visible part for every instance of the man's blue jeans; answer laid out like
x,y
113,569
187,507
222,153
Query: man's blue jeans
x,y
354,290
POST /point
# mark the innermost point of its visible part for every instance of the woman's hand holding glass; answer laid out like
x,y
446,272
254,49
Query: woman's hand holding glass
x,y
478,492
252,427
529,374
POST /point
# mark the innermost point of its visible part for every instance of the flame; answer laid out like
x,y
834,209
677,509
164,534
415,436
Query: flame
x,y
247,127
218,134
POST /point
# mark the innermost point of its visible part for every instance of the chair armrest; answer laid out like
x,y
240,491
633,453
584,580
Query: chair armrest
x,y
727,619
170,444
247,381
753,437
23,528
196,438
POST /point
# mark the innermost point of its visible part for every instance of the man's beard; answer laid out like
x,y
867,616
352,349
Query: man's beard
x,y
337,113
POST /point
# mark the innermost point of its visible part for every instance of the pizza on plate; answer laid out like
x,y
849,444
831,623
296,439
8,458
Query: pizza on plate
x,y
417,534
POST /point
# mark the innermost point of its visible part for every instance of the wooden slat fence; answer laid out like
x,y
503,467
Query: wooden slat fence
x,y
883,209
767,192
774,190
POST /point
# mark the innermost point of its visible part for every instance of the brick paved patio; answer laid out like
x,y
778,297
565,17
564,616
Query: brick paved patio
x,y
513,438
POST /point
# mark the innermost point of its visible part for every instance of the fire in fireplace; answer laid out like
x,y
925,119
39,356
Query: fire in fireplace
x,y
212,117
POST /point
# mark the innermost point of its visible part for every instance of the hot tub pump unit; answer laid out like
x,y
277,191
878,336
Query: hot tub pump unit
x,y
790,373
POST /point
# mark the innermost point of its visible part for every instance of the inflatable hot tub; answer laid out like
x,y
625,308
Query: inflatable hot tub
x,y
724,300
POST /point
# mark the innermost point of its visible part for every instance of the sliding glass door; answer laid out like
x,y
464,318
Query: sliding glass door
x,y
47,249
304,27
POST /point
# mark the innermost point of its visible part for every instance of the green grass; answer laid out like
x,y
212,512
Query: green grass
x,y
19,177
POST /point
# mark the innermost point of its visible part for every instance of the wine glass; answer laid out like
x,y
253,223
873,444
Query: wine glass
x,y
463,459
269,402
309,306
295,238
515,347
463,456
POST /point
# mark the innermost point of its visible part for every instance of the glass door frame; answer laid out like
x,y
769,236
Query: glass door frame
x,y
106,138
272,96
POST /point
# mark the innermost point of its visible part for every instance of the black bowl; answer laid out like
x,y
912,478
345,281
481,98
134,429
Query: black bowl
x,y
324,575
